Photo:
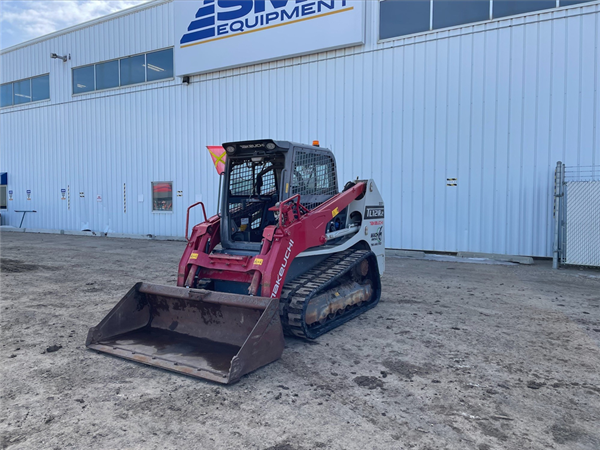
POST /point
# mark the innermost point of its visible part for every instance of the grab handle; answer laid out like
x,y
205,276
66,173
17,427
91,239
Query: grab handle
x,y
187,218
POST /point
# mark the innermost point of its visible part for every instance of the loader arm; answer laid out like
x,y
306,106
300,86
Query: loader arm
x,y
298,230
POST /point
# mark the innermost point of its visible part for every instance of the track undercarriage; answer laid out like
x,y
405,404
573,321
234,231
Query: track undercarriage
x,y
343,286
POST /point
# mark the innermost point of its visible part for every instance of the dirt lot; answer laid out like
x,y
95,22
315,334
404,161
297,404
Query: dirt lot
x,y
456,356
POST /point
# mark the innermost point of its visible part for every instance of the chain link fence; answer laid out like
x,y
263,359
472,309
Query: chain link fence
x,y
577,215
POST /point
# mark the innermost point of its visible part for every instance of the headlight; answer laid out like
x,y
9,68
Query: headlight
x,y
270,146
230,149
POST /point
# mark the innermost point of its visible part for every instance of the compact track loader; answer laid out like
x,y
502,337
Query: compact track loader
x,y
288,254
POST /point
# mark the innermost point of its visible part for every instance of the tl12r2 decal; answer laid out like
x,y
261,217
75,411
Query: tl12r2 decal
x,y
374,212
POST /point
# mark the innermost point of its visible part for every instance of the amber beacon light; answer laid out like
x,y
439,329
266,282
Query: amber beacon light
x,y
315,143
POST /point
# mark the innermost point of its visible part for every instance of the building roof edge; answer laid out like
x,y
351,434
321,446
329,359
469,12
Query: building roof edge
x,y
89,23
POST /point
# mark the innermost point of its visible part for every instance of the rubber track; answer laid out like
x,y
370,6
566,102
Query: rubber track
x,y
296,294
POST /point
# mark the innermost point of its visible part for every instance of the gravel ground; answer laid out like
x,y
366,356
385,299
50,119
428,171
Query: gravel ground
x,y
456,356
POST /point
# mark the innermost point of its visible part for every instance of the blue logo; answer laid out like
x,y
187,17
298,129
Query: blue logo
x,y
218,19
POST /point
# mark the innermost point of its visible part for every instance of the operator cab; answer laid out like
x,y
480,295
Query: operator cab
x,y
258,175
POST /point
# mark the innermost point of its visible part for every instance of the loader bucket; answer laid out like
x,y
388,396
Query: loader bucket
x,y
205,334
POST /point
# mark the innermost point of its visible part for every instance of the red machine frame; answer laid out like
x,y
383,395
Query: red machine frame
x,y
298,230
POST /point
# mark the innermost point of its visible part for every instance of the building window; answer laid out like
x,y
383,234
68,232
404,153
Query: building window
x,y
107,75
40,88
22,91
25,91
504,8
402,17
573,2
3,201
136,69
449,13
162,196
133,70
6,94
83,80
159,65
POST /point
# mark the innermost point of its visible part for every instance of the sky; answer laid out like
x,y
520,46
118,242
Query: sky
x,y
21,21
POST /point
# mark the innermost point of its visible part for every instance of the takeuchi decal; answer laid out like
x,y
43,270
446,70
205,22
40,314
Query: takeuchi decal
x,y
222,19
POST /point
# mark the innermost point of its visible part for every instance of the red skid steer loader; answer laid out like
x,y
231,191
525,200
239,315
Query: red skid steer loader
x,y
269,264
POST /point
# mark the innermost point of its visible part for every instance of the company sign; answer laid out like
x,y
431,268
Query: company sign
x,y
217,34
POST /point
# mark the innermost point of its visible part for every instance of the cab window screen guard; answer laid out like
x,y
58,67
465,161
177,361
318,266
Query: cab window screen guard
x,y
313,174
253,189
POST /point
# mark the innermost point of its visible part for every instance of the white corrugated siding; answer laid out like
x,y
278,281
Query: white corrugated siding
x,y
494,105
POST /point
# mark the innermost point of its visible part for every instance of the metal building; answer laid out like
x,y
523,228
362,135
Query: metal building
x,y
459,110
